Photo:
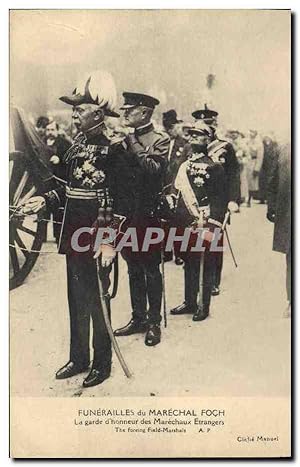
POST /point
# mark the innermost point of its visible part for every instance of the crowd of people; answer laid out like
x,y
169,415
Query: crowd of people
x,y
183,174
256,153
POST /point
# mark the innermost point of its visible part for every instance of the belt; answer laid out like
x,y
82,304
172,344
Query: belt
x,y
213,221
210,220
80,193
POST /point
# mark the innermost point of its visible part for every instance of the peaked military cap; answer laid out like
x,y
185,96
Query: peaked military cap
x,y
201,128
206,114
169,118
134,99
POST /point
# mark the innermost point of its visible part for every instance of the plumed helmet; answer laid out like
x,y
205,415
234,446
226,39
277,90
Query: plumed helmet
x,y
97,87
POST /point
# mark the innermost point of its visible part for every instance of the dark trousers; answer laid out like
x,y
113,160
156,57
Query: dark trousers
x,y
217,259
84,303
289,275
191,279
145,283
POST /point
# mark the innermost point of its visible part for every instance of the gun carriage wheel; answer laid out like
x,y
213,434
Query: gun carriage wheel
x,y
26,233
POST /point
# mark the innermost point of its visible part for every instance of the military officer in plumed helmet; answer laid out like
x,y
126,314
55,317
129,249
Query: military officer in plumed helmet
x,y
88,203
223,152
147,149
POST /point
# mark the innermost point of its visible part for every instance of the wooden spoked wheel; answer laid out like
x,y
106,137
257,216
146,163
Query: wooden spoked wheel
x,y
26,233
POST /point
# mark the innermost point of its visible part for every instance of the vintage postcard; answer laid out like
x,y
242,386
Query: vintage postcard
x,y
150,233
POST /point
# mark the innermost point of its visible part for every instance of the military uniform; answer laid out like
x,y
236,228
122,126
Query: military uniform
x,y
202,186
88,203
147,151
224,153
85,196
221,152
147,158
178,153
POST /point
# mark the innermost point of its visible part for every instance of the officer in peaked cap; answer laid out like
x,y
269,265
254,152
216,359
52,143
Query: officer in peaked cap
x,y
223,152
87,201
148,148
135,99
177,152
178,147
207,115
185,130
201,185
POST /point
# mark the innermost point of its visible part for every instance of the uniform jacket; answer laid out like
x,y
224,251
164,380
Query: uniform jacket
x,y
279,199
146,161
178,152
223,152
207,179
127,180
86,172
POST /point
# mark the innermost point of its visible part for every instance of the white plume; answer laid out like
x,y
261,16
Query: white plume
x,y
102,85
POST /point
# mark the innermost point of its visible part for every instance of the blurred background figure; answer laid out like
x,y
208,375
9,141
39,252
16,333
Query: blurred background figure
x,y
269,159
255,150
279,211
178,152
40,126
59,144
237,139
184,129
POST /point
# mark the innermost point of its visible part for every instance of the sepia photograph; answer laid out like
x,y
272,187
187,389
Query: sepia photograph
x,y
150,233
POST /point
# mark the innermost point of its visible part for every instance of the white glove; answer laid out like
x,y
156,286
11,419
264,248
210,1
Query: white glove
x,y
33,205
108,254
232,206
171,200
55,159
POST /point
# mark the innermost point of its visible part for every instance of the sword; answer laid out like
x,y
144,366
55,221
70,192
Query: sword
x,y
224,229
103,296
116,278
230,248
201,267
163,287
163,279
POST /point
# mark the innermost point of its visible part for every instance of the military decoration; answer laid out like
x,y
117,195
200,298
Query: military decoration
x,y
197,170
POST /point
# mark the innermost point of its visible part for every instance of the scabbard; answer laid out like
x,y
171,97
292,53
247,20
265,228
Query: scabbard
x,y
115,278
163,285
108,325
224,229
201,267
